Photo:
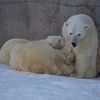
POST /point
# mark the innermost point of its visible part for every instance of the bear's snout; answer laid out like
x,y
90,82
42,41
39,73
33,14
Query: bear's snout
x,y
74,44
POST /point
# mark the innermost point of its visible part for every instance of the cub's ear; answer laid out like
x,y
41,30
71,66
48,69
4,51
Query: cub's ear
x,y
69,58
87,27
66,23
49,37
45,41
65,53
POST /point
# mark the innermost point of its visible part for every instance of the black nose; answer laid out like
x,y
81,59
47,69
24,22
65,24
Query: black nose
x,y
74,44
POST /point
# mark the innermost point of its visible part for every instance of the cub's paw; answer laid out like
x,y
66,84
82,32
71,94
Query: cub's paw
x,y
58,72
74,75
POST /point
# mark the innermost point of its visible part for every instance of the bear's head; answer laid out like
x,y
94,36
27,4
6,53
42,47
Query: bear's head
x,y
57,42
70,57
74,31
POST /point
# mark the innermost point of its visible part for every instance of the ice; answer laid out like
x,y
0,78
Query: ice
x,y
16,85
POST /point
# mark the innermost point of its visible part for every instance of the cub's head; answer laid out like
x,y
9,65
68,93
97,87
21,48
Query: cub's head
x,y
70,57
74,31
57,42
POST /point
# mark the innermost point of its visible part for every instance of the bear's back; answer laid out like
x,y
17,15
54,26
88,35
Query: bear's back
x,y
36,49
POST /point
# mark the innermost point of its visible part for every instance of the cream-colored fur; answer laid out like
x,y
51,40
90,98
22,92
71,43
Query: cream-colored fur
x,y
7,47
82,39
58,43
39,57
35,57
65,62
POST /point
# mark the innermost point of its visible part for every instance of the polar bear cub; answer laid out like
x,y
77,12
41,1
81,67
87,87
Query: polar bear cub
x,y
39,57
58,43
7,47
82,39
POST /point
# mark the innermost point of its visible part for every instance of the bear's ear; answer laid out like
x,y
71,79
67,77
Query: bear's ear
x,y
45,41
69,58
49,37
87,27
65,53
66,23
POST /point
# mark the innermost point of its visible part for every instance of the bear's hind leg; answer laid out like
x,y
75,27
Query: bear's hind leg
x,y
51,68
91,73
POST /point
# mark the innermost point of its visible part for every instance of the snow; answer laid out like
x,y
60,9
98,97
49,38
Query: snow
x,y
16,85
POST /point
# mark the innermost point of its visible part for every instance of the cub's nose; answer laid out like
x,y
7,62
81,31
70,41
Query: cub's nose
x,y
74,44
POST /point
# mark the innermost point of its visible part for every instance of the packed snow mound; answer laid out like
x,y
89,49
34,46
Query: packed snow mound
x,y
16,85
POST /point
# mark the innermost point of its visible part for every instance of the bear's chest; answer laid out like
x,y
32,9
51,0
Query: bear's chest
x,y
79,50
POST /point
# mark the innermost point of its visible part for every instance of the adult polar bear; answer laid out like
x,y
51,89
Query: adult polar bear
x,y
82,39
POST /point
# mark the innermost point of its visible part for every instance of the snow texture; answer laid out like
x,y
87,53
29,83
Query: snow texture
x,y
30,86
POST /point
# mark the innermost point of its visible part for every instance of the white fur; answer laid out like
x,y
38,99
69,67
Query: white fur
x,y
80,31
7,47
56,42
40,57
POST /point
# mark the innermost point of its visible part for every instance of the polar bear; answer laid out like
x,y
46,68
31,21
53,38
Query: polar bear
x,y
82,39
39,57
7,47
55,41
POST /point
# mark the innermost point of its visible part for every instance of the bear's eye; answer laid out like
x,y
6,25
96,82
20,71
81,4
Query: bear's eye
x,y
66,24
58,40
79,34
70,33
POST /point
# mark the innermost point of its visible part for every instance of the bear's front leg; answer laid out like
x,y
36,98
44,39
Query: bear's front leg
x,y
81,66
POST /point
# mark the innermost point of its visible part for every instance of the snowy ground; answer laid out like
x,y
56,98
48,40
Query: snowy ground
x,y
29,86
